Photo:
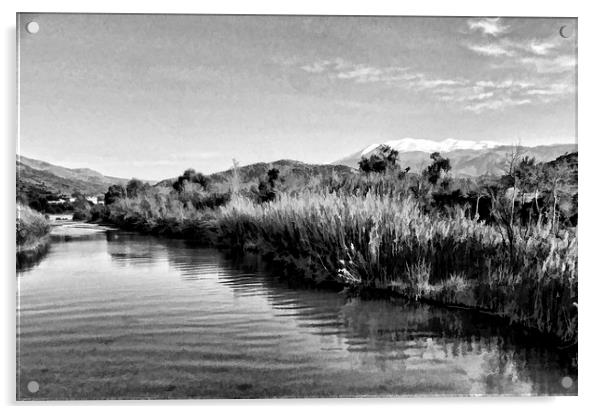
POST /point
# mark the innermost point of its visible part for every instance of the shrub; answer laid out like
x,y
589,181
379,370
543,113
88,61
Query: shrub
x,y
31,226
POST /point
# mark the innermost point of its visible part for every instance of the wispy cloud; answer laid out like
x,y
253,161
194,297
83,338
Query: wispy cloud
x,y
537,55
491,50
324,65
363,73
542,47
481,96
558,64
475,96
525,71
496,104
488,26
509,47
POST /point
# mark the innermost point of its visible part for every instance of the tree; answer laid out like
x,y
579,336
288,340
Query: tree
x,y
559,182
529,179
266,190
438,168
384,159
511,177
114,193
273,174
191,176
135,187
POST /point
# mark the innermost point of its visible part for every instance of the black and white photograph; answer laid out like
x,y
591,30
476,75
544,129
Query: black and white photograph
x,y
269,206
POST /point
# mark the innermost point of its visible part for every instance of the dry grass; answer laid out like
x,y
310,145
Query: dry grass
x,y
31,227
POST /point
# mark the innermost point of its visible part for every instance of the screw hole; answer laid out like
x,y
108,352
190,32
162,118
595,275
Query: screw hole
x,y
33,387
33,27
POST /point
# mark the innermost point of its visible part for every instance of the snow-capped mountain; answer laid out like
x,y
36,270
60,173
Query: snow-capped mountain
x,y
468,158
425,145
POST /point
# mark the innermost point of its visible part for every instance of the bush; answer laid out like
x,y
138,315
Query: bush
x,y
31,226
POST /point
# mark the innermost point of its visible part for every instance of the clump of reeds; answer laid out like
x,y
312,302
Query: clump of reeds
x,y
380,242
32,235
158,212
31,227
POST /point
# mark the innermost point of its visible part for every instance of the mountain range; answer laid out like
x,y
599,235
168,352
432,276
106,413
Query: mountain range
x,y
467,158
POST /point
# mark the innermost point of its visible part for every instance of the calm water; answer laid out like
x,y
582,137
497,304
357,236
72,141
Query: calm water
x,y
108,314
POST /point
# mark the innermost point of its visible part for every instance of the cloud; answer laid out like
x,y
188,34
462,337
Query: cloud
x,y
538,55
475,96
553,89
488,26
483,95
496,104
316,67
391,75
360,73
541,48
558,64
508,47
363,74
435,83
491,50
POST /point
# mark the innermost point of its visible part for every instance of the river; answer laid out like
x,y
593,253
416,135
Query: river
x,y
112,314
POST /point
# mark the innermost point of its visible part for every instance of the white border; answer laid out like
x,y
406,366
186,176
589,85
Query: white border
x,y
589,175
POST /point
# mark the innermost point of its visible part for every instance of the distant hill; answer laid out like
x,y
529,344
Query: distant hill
x,y
42,177
295,174
468,158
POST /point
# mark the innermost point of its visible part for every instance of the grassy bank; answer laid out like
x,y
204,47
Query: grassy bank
x,y
378,242
384,242
32,234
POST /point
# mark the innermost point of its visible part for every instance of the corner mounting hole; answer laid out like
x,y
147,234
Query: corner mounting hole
x,y
33,387
33,27
566,382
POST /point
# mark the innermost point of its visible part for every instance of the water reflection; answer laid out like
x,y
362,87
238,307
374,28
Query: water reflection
x,y
496,358
164,319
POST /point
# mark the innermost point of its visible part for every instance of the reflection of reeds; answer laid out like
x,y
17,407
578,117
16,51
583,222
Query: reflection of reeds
x,y
383,242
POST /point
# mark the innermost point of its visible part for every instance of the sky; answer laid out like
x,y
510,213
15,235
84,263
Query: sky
x,y
148,96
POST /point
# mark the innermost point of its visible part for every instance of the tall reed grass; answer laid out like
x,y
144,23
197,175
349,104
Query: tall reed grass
x,y
158,212
32,230
31,226
376,241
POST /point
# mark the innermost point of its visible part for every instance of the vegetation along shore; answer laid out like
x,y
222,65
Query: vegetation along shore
x,y
503,244
32,234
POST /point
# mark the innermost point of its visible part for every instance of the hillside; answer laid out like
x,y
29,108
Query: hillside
x,y
295,174
468,159
39,177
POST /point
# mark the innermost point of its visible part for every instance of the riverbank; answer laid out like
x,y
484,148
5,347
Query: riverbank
x,y
380,243
32,235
